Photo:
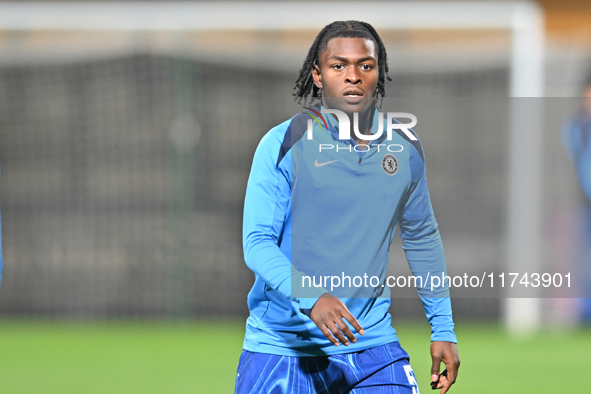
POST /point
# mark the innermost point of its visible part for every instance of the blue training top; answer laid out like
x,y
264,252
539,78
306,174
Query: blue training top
x,y
576,136
317,206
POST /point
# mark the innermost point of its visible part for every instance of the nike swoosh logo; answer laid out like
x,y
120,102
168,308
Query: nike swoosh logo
x,y
316,164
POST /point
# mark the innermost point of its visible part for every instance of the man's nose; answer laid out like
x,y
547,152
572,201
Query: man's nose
x,y
353,76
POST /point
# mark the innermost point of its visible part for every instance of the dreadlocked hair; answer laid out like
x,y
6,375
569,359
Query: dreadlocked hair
x,y
304,84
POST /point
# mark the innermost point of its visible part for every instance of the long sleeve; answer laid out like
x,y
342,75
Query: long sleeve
x,y
576,136
267,221
265,211
584,173
424,251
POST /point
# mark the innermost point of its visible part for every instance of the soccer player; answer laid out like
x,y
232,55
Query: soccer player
x,y
576,136
317,203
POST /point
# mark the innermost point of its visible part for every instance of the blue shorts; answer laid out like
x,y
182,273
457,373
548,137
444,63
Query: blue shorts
x,y
380,370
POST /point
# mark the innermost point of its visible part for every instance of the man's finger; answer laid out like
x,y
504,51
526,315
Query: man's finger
x,y
338,334
345,330
328,335
435,367
452,364
447,382
451,374
450,378
440,382
446,387
351,319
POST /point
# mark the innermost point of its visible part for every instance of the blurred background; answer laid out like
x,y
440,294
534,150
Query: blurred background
x,y
126,136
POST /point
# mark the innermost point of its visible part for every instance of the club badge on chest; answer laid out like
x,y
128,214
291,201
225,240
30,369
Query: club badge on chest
x,y
390,164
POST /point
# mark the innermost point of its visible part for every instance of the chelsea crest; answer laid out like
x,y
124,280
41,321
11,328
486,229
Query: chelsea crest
x,y
390,164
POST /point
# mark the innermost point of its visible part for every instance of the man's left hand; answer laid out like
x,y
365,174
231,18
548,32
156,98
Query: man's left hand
x,y
445,352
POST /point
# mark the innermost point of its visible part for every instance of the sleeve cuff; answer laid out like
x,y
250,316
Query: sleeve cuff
x,y
444,336
306,304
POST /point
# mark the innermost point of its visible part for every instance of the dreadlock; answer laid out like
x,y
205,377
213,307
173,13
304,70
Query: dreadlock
x,y
304,84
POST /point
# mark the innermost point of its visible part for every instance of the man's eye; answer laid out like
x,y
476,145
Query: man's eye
x,y
338,66
366,67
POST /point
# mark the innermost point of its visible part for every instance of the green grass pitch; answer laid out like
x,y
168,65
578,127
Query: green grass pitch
x,y
201,357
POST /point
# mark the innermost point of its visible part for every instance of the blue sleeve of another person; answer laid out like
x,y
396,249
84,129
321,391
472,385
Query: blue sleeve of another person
x,y
576,136
1,255
422,245
584,171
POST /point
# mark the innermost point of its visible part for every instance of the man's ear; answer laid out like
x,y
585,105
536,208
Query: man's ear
x,y
317,76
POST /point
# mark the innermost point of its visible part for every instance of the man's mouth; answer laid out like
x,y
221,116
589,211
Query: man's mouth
x,y
353,93
353,96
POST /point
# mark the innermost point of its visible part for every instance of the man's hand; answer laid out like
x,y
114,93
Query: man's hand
x,y
327,313
445,352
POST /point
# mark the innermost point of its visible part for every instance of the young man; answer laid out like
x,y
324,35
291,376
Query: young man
x,y
317,203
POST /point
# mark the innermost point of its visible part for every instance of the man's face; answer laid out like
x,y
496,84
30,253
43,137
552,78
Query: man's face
x,y
348,74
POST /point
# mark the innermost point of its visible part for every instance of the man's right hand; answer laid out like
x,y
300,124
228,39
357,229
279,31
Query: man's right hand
x,y
328,313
